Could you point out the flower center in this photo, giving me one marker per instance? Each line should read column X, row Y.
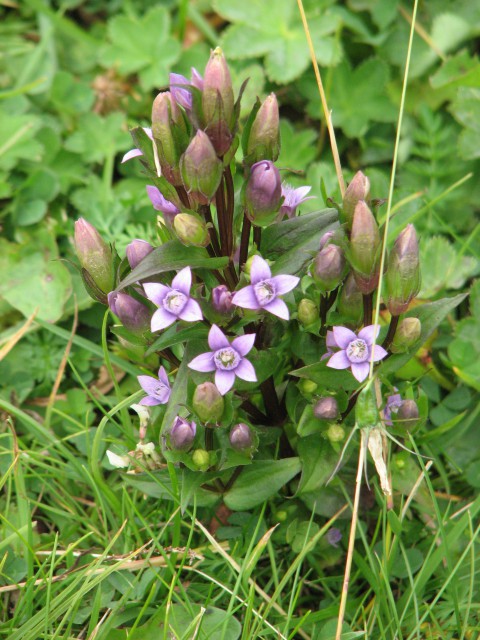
column 357, row 351
column 160, row 389
column 226, row 359
column 265, row 292
column 174, row 301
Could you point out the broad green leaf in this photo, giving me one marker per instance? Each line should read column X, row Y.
column 298, row 146
column 464, row 350
column 17, row 139
column 172, row 256
column 175, row 336
column 442, row 267
column 142, row 45
column 265, row 477
column 98, row 137
column 318, row 460
column 462, row 69
column 157, row 484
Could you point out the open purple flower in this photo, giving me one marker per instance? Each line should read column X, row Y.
column 157, row 389
column 356, row 351
column 181, row 95
column 264, row 291
column 331, row 345
column 227, row 360
column 134, row 153
column 160, row 203
column 292, row 198
column 394, row 402
column 334, row 536
column 173, row 302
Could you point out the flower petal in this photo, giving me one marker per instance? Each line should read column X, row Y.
column 343, row 336
column 330, row 340
column 259, row 270
column 162, row 319
column 284, row 284
column 243, row 344
column 156, row 292
column 379, row 353
column 246, row 298
column 148, row 384
column 133, row 153
column 339, row 360
column 360, row 370
column 370, row 333
column 204, row 362
column 216, row 338
column 191, row 311
column 245, row 371
column 150, row 401
column 183, row 281
column 224, row 380
column 148, row 131
column 162, row 376
column 278, row 308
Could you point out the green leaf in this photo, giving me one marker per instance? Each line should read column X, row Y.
column 298, row 146
column 318, row 460
column 466, row 110
column 464, row 350
column 266, row 477
column 142, row 45
column 17, row 139
column 157, row 484
column 442, row 267
column 461, row 69
column 98, row 137
column 174, row 336
column 172, row 256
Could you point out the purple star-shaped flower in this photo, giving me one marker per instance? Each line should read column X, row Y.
column 264, row 291
column 292, row 198
column 157, row 389
column 160, row 203
column 356, row 351
column 134, row 153
column 227, row 360
column 173, row 302
column 181, row 95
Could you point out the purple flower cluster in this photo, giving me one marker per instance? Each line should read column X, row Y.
column 157, row 389
column 173, row 302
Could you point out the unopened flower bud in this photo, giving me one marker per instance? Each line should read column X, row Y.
column 336, row 433
column 365, row 248
column 208, row 403
column 182, row 434
column 407, row 415
column 407, row 334
column 350, row 302
column 358, row 189
column 307, row 312
column 329, row 267
column 217, row 88
column 326, row 408
column 201, row 459
column 222, row 299
column 403, row 271
column 136, row 251
column 325, row 239
column 264, row 138
column 263, row 194
column 307, row 387
column 241, row 437
column 170, row 135
column 96, row 259
column 201, row 169
column 134, row 315
column 191, row 230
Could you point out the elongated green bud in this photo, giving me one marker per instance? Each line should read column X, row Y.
column 201, row 459
column 217, row 86
column 307, row 312
column 403, row 273
column 191, row 230
column 329, row 267
column 263, row 194
column 201, row 169
column 366, row 410
column 96, row 258
column 264, row 139
column 208, row 403
column 170, row 135
column 364, row 253
column 358, row 189
column 350, row 302
column 407, row 334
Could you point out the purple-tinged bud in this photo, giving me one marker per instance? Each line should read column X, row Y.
column 325, row 239
column 334, row 536
column 407, row 334
column 217, row 97
column 403, row 272
column 358, row 189
column 182, row 434
column 96, row 259
column 222, row 299
column 365, row 245
column 336, row 433
column 136, row 251
column 191, row 230
column 326, row 408
column 182, row 97
column 201, row 169
column 407, row 416
column 170, row 135
column 264, row 138
column 134, row 315
column 307, row 312
column 350, row 302
column 208, row 403
column 263, row 194
column 241, row 437
column 201, row 459
column 160, row 203
column 328, row 268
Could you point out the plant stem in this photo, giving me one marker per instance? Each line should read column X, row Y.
column 245, row 239
column 207, row 214
column 270, row 399
column 183, row 195
column 230, row 205
column 208, row 439
column 257, row 236
column 221, row 217
column 367, row 309
column 232, row 478
column 392, row 329
column 351, row 539
column 323, row 311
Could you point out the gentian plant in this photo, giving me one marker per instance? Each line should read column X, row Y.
column 258, row 318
